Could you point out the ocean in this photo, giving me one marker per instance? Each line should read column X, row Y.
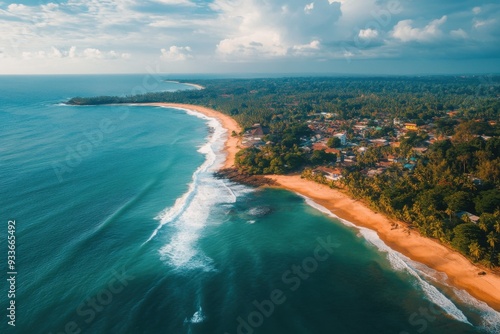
column 121, row 227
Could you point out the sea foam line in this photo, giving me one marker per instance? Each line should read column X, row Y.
column 170, row 214
column 399, row 262
column 192, row 211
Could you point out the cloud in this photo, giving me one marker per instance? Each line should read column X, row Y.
column 308, row 8
column 259, row 44
column 459, row 33
column 56, row 53
column 175, row 2
column 305, row 50
column 405, row 32
column 92, row 53
column 279, row 27
column 176, row 53
column 480, row 23
column 93, row 34
column 88, row 53
column 72, row 52
column 368, row 33
column 17, row 8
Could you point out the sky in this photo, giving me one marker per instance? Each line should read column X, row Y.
column 250, row 36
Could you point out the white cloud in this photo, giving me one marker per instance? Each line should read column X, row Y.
column 105, row 31
column 368, row 33
column 50, row 6
column 264, row 44
column 405, row 32
column 164, row 23
column 481, row 23
column 88, row 53
column 309, row 49
column 56, row 53
column 458, row 33
column 32, row 55
column 308, row 8
column 18, row 8
column 314, row 45
column 176, row 2
column 92, row 53
column 72, row 52
column 176, row 53
column 263, row 29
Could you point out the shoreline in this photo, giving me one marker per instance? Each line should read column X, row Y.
column 231, row 145
column 200, row 87
column 461, row 272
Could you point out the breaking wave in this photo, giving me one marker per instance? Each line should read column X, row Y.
column 489, row 319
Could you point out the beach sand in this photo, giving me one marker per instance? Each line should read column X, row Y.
column 187, row 84
column 195, row 85
column 460, row 271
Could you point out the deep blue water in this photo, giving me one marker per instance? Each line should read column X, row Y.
column 122, row 228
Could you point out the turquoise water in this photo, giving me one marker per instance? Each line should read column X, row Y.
column 122, row 228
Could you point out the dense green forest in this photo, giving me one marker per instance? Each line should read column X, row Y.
column 286, row 100
column 458, row 173
column 430, row 197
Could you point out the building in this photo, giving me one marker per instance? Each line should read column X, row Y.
column 464, row 215
column 342, row 137
column 411, row 126
column 332, row 174
column 258, row 131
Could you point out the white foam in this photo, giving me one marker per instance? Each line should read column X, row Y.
column 190, row 213
column 198, row 316
column 259, row 211
column 399, row 262
column 490, row 319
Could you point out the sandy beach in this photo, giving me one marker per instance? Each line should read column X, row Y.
column 187, row 84
column 460, row 271
column 232, row 143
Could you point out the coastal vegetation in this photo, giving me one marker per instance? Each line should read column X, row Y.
column 423, row 150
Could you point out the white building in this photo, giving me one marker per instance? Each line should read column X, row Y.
column 342, row 137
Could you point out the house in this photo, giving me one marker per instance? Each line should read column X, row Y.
column 419, row 150
column 464, row 215
column 258, row 131
column 410, row 167
column 333, row 174
column 379, row 142
column 373, row 172
column 411, row 126
column 393, row 158
column 342, row 137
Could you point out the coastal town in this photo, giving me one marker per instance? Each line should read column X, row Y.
column 350, row 140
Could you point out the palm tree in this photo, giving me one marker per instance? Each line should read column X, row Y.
column 464, row 158
column 483, row 225
column 492, row 239
column 497, row 226
column 475, row 250
column 449, row 212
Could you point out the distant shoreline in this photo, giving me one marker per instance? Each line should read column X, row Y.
column 460, row 271
column 200, row 87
